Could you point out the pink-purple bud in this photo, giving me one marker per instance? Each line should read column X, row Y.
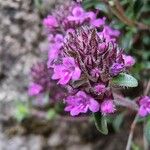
column 100, row 89
column 128, row 60
column 98, row 22
column 102, row 47
column 144, row 103
column 34, row 89
column 50, row 22
column 107, row 107
column 116, row 68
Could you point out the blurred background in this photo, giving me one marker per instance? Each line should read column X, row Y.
column 23, row 43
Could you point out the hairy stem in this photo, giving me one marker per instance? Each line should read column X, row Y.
column 119, row 100
column 129, row 142
column 146, row 145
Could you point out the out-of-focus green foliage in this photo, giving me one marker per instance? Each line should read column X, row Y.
column 51, row 114
column 147, row 130
column 135, row 147
column 21, row 111
column 118, row 120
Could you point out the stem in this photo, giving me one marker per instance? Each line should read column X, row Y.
column 130, row 137
column 119, row 100
column 146, row 145
column 147, row 88
column 128, row 147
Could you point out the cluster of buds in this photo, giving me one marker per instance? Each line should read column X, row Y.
column 42, row 84
column 87, row 64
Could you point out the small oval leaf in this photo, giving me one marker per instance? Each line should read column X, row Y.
column 100, row 123
column 124, row 80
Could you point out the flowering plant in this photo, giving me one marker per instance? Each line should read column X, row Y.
column 86, row 59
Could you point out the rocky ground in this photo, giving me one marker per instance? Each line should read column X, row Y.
column 21, row 42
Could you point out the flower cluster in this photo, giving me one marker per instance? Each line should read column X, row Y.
column 84, row 57
column 87, row 64
column 144, row 103
column 67, row 18
column 41, row 84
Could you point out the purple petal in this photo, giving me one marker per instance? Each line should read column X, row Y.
column 107, row 107
column 78, row 11
column 57, row 72
column 59, row 38
column 91, row 15
column 94, row 105
column 69, row 61
column 142, row 112
column 98, row 22
column 50, row 21
column 74, row 112
column 81, row 94
column 65, row 78
column 76, row 74
column 128, row 60
column 68, row 108
column 34, row 89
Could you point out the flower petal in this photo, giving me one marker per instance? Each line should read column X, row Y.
column 142, row 112
column 65, row 78
column 94, row 106
column 76, row 74
column 69, row 62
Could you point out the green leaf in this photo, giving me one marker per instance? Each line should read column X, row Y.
column 127, row 40
column 135, row 146
column 89, row 3
column 102, row 7
column 51, row 114
column 21, row 112
column 124, row 80
column 147, row 131
column 100, row 123
column 118, row 121
column 138, row 4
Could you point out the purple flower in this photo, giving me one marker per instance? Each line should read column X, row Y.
column 56, row 44
column 128, row 60
column 109, row 34
column 98, row 22
column 41, row 84
column 100, row 88
column 59, row 38
column 53, row 54
column 66, row 71
column 107, row 107
column 34, row 89
column 78, row 15
column 116, row 68
column 144, row 103
column 91, row 15
column 50, row 22
column 81, row 103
